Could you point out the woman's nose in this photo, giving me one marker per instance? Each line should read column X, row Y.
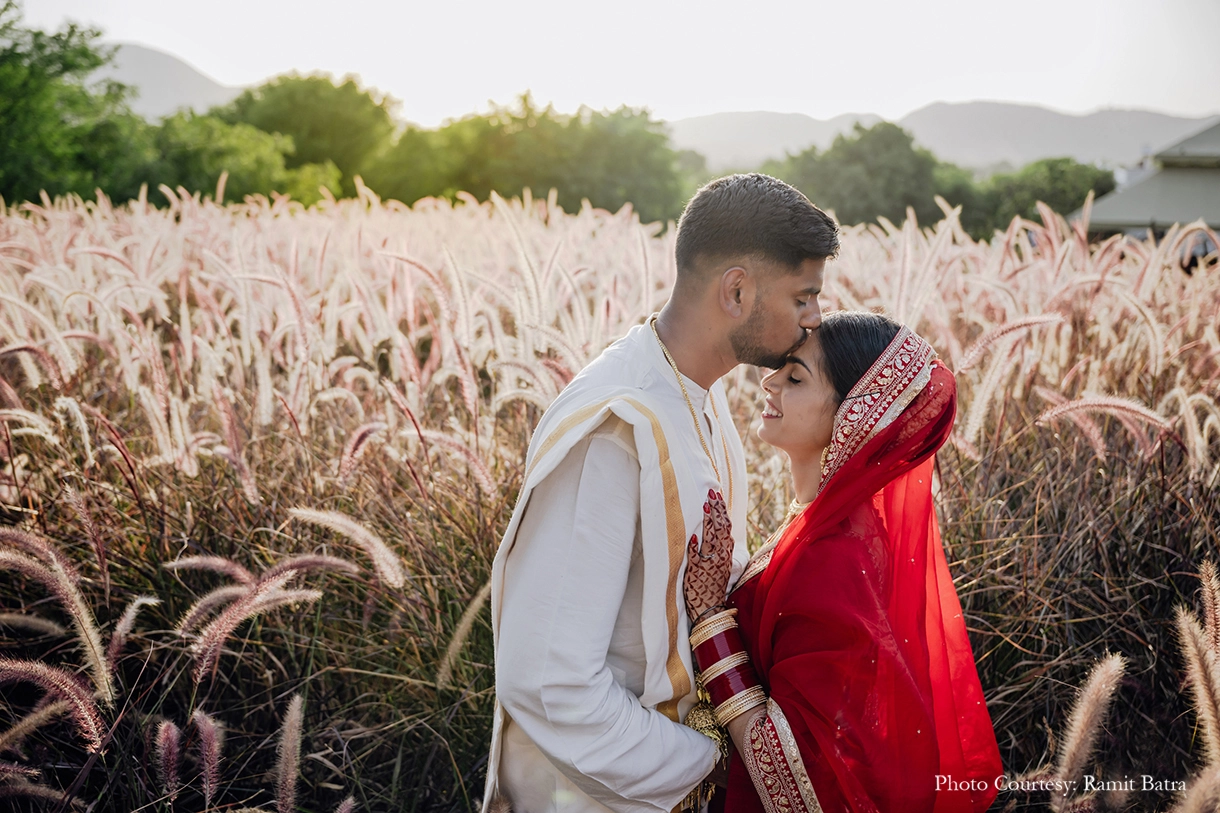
column 767, row 381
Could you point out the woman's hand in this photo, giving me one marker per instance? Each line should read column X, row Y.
column 707, row 566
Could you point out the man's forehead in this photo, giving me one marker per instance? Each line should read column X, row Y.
column 810, row 275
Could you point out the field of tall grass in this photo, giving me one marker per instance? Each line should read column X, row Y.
column 255, row 461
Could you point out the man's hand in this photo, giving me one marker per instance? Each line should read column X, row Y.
column 708, row 565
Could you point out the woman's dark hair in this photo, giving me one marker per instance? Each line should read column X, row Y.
column 851, row 341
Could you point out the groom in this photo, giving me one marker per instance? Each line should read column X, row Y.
column 593, row 668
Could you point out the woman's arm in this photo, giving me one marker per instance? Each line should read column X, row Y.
column 757, row 727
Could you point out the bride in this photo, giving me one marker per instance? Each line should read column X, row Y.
column 840, row 663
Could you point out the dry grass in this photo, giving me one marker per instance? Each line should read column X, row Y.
column 178, row 385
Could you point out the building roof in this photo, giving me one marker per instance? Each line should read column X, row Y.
column 1172, row 195
column 1200, row 149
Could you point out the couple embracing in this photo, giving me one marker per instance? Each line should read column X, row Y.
column 644, row 660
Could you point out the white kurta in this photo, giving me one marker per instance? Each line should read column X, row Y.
column 571, row 604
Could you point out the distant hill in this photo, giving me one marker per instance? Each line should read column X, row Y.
column 979, row 135
column 746, row 140
column 982, row 134
column 165, row 83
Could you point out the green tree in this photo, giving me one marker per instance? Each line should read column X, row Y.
column 1060, row 183
column 327, row 122
column 873, row 172
column 608, row 158
column 57, row 132
column 193, row 151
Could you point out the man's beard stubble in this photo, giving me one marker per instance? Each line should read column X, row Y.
column 746, row 348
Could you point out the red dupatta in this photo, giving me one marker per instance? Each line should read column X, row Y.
column 854, row 624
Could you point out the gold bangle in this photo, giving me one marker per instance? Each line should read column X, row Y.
column 715, row 625
column 739, row 704
column 723, row 665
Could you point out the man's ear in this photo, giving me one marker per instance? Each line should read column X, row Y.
column 736, row 291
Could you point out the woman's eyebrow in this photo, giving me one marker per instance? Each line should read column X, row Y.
column 803, row 364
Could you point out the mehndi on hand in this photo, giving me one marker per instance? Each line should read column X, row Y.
column 708, row 564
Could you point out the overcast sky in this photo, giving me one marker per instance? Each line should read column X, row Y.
column 447, row 58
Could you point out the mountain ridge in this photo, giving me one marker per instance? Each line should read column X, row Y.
column 981, row 135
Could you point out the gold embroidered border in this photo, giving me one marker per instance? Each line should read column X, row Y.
column 771, row 770
column 892, row 382
column 792, row 753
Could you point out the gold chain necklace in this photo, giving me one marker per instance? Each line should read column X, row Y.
column 652, row 323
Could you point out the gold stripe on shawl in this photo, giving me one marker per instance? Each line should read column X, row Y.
column 579, row 416
column 675, row 529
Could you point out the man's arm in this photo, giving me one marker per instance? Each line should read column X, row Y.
column 563, row 591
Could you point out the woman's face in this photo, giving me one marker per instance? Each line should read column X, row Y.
column 799, row 410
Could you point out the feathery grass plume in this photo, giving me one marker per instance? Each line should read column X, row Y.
column 19, row 788
column 12, row 738
column 500, row 804
column 348, row 805
column 77, row 502
column 59, row 585
column 1083, row 804
column 11, row 769
column 118, row 638
column 465, row 624
column 232, row 450
column 984, row 394
column 212, row 637
column 1087, row 426
column 289, row 756
column 1105, row 404
column 311, row 561
column 39, row 548
column 1202, row 795
column 61, row 684
column 217, row 564
column 211, row 741
column 31, row 623
column 1211, row 604
column 355, row 448
column 1008, row 330
column 286, row 598
column 69, row 406
column 388, row 566
column 1203, row 672
column 34, row 424
column 195, row 614
column 44, row 360
column 478, row 468
column 9, row 399
column 1088, row 714
column 169, row 758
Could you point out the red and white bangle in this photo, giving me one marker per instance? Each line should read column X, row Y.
column 728, row 675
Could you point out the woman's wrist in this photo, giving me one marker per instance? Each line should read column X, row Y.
column 728, row 675
column 708, row 613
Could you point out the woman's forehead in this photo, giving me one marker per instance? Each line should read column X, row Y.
column 810, row 352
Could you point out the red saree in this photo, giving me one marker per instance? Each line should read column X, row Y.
column 855, row 628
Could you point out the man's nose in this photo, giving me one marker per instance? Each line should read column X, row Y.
column 811, row 319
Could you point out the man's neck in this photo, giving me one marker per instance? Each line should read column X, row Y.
column 700, row 353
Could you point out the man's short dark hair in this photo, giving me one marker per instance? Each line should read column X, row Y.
column 752, row 215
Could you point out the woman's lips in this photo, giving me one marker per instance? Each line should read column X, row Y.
column 770, row 411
